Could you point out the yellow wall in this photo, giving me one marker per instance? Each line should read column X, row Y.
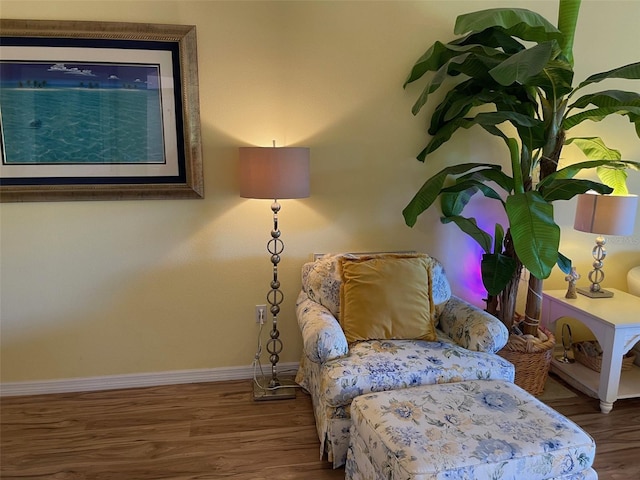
column 108, row 288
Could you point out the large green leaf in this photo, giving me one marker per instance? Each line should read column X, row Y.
column 630, row 72
column 570, row 171
column 435, row 82
column 555, row 79
column 608, row 102
column 474, row 93
column 607, row 98
column 470, row 227
column 498, row 177
column 443, row 135
column 475, row 185
column 485, row 119
column 493, row 130
column 532, row 137
column 469, row 63
column 615, row 178
column 594, row 148
column 455, row 198
column 522, row 66
column 530, row 130
column 566, row 189
column 456, row 104
column 598, row 114
column 517, row 22
column 475, row 63
column 430, row 190
column 534, row 232
column 496, row 118
column 614, row 174
column 496, row 270
column 453, row 203
column 439, row 54
column 491, row 37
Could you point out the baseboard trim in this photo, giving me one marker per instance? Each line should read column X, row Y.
column 135, row 380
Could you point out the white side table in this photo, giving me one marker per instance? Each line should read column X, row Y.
column 615, row 322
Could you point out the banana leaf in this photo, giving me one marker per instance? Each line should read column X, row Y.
column 594, row 148
column 535, row 234
column 497, row 270
column 522, row 66
column 430, row 190
column 629, row 72
column 566, row 189
column 470, row 227
column 517, row 22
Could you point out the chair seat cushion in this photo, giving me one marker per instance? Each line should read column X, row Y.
column 473, row 429
column 379, row 365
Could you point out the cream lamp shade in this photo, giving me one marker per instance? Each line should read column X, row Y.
column 606, row 214
column 274, row 172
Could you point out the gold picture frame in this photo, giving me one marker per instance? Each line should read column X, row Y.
column 99, row 111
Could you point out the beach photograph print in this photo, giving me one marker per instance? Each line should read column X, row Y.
column 85, row 112
column 75, row 113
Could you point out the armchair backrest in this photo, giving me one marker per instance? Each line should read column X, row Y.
column 321, row 281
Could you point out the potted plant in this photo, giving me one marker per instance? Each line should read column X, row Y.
column 511, row 73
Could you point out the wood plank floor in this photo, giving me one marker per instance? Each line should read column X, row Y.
column 215, row 430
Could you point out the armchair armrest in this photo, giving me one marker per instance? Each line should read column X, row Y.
column 471, row 327
column 322, row 336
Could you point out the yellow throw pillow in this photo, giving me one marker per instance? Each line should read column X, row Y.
column 387, row 297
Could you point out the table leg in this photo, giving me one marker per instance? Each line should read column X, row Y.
column 606, row 407
column 612, row 352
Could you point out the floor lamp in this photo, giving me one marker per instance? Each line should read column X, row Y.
column 274, row 173
column 603, row 215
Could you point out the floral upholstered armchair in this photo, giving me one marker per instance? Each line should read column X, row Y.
column 398, row 326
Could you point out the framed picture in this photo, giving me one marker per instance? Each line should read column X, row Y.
column 98, row 111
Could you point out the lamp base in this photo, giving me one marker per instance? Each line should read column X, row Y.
column 600, row 294
column 286, row 390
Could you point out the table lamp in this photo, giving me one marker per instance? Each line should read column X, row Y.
column 603, row 215
column 274, row 173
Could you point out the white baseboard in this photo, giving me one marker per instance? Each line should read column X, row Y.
column 136, row 380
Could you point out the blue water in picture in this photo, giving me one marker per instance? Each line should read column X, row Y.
column 74, row 122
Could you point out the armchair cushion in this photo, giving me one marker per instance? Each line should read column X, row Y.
column 378, row 365
column 386, row 297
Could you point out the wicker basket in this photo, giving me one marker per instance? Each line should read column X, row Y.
column 589, row 354
column 531, row 360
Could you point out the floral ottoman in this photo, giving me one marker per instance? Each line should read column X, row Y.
column 472, row 430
